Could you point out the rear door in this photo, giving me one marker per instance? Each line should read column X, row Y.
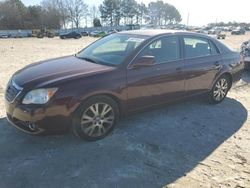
column 161, row 82
column 202, row 62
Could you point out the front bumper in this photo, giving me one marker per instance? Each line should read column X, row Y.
column 22, row 119
column 25, row 126
column 34, row 119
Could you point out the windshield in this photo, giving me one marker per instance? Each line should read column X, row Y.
column 112, row 49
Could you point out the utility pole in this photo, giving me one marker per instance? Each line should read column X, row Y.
column 188, row 19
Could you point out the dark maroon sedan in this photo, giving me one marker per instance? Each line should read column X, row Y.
column 116, row 75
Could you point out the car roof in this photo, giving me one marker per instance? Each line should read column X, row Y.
column 157, row 32
column 152, row 32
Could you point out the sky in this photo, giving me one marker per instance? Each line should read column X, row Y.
column 201, row 12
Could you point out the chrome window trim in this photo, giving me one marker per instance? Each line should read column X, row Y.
column 149, row 42
column 202, row 56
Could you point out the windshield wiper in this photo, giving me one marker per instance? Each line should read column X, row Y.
column 94, row 61
column 87, row 59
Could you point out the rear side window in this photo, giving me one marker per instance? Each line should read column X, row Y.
column 196, row 47
column 164, row 49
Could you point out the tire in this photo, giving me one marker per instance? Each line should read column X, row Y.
column 95, row 118
column 219, row 90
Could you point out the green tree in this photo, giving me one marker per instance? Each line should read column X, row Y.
column 141, row 11
column 13, row 14
column 117, row 12
column 129, row 10
column 174, row 15
column 170, row 14
column 156, row 11
column 110, row 11
column 97, row 22
column 160, row 12
column 35, row 17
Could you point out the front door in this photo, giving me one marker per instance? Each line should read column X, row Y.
column 158, row 83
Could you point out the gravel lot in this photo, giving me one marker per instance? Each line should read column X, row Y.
column 189, row 144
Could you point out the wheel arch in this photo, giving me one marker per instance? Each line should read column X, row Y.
column 227, row 74
column 111, row 96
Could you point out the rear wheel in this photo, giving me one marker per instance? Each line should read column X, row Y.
column 220, row 90
column 96, row 118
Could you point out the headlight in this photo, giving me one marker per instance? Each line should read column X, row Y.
column 39, row 96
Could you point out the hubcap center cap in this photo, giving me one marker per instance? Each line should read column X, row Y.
column 98, row 120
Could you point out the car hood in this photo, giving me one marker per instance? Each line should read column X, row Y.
column 55, row 70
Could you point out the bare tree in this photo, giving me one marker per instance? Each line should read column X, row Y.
column 77, row 11
column 94, row 12
column 60, row 7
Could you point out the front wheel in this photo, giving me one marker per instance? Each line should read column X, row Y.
column 219, row 90
column 96, row 118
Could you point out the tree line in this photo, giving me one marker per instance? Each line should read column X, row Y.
column 56, row 14
column 228, row 24
column 157, row 13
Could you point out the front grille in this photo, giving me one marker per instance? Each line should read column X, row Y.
column 12, row 91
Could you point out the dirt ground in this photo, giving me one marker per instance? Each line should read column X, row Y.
column 190, row 144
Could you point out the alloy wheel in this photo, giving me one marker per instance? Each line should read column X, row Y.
column 97, row 119
column 220, row 89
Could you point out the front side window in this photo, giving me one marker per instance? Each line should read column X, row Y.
column 164, row 49
column 214, row 49
column 112, row 50
column 196, row 47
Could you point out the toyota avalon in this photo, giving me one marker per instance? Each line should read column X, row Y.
column 116, row 75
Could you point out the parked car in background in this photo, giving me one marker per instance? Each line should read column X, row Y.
column 221, row 35
column 72, row 34
column 133, row 26
column 84, row 33
column 202, row 31
column 111, row 31
column 4, row 36
column 238, row 31
column 19, row 35
column 97, row 34
column 41, row 33
column 245, row 51
column 212, row 32
column 117, row 75
column 247, row 28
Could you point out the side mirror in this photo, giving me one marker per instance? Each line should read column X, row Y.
column 144, row 61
